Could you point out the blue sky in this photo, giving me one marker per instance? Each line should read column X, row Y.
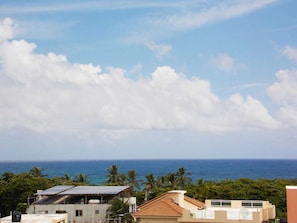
column 197, row 79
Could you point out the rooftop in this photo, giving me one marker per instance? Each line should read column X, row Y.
column 83, row 190
column 37, row 218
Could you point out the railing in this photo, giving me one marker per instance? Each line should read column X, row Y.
column 203, row 214
column 231, row 214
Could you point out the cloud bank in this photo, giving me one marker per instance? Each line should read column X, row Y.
column 47, row 93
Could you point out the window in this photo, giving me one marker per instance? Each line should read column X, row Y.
column 78, row 213
column 226, row 203
column 97, row 212
column 246, row 204
column 215, row 203
column 257, row 204
column 252, row 204
column 221, row 203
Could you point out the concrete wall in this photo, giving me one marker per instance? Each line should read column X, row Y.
column 92, row 213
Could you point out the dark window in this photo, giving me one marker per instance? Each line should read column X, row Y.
column 257, row 204
column 226, row 203
column 215, row 203
column 78, row 213
column 246, row 204
column 97, row 212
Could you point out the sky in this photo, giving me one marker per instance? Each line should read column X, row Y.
column 191, row 79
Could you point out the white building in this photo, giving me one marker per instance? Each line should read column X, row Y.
column 38, row 218
column 81, row 203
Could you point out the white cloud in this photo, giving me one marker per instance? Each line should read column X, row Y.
column 284, row 92
column 193, row 17
column 6, row 29
column 224, row 63
column 93, row 5
column 290, row 52
column 47, row 93
column 136, row 68
column 250, row 112
column 159, row 50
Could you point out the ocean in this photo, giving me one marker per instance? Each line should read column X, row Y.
column 205, row 169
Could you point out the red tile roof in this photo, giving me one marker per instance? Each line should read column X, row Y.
column 199, row 204
column 164, row 206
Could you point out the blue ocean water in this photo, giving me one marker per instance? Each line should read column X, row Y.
column 205, row 169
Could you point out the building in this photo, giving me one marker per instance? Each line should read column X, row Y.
column 291, row 194
column 37, row 218
column 81, row 203
column 176, row 207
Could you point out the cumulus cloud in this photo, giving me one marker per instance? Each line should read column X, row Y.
column 284, row 92
column 6, row 29
column 45, row 92
column 290, row 52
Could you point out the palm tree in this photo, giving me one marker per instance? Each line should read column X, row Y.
column 37, row 172
column 82, row 178
column 123, row 179
column 171, row 180
column 113, row 175
column 183, row 177
column 162, row 181
column 119, row 210
column 150, row 183
column 67, row 176
column 132, row 181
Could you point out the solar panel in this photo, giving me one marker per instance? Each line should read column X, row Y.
column 87, row 190
column 54, row 190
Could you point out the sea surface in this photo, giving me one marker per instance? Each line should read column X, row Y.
column 205, row 169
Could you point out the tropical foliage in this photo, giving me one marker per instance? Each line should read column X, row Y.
column 119, row 210
column 16, row 189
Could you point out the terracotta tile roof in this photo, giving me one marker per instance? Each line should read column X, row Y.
column 199, row 204
column 165, row 207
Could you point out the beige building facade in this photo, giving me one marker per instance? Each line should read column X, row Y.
column 176, row 207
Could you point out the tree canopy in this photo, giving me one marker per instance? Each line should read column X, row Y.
column 15, row 189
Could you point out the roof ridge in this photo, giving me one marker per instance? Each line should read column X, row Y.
column 169, row 202
column 197, row 203
column 163, row 207
column 149, row 202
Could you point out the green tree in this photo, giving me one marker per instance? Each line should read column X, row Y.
column 67, row 176
column 132, row 180
column 113, row 175
column 183, row 177
column 14, row 193
column 149, row 184
column 37, row 172
column 119, row 210
column 82, row 178
column 123, row 179
column 171, row 180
